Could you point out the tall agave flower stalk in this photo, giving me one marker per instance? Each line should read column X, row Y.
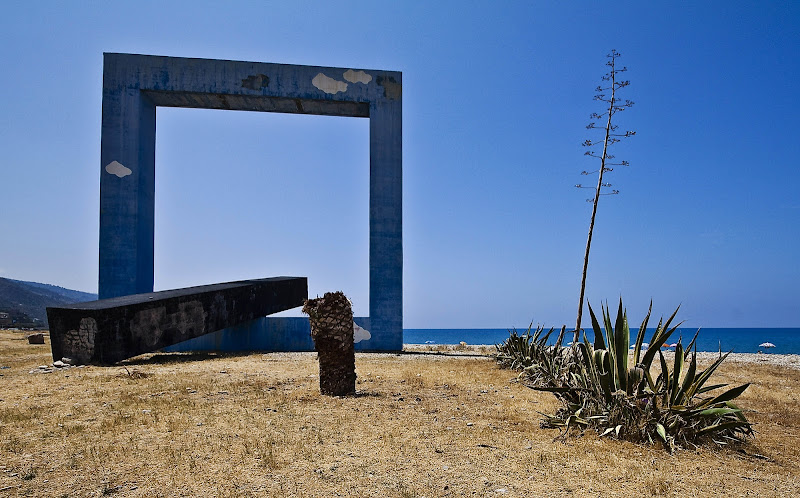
column 614, row 105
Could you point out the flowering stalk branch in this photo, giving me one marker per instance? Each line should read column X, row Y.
column 614, row 106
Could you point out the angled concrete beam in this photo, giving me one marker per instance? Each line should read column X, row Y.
column 111, row 330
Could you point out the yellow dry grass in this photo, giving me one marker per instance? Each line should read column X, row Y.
column 421, row 425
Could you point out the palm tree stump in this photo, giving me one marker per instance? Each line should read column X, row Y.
column 331, row 319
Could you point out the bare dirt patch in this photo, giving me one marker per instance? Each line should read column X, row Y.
column 422, row 424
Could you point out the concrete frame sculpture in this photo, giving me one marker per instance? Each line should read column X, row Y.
column 135, row 85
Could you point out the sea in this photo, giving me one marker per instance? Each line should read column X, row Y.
column 738, row 340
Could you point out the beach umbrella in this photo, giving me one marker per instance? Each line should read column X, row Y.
column 766, row 345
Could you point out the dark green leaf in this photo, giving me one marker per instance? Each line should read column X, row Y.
column 726, row 396
column 598, row 332
column 637, row 349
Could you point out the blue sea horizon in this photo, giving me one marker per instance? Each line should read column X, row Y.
column 740, row 340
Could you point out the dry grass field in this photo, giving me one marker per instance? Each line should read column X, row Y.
column 421, row 425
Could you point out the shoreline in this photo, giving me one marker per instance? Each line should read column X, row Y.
column 774, row 359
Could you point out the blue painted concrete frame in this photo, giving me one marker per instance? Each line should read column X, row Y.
column 135, row 85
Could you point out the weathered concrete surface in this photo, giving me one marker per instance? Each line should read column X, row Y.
column 134, row 85
column 110, row 330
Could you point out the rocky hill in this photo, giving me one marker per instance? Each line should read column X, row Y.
column 20, row 299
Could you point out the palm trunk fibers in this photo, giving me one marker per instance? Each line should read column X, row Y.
column 331, row 319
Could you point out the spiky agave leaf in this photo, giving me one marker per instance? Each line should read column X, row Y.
column 622, row 339
column 660, row 336
column 728, row 395
column 719, row 412
column 710, row 388
column 611, row 346
column 598, row 332
column 721, row 427
column 703, row 377
column 688, row 380
column 635, row 376
column 676, row 373
column 560, row 339
column 640, row 335
column 692, row 342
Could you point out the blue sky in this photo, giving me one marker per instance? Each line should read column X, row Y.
column 496, row 97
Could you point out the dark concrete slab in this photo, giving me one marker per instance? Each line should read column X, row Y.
column 111, row 330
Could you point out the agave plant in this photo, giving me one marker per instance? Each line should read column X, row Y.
column 518, row 351
column 612, row 389
column 541, row 364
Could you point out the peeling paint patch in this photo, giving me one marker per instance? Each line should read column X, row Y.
column 191, row 318
column 328, row 85
column 360, row 334
column 118, row 169
column 146, row 323
column 392, row 90
column 357, row 76
column 256, row 82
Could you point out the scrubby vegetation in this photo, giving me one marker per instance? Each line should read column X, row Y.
column 624, row 392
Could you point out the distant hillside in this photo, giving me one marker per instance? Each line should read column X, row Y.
column 73, row 295
column 31, row 298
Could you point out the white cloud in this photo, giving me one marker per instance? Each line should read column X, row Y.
column 118, row 169
column 357, row 76
column 360, row 334
column 328, row 85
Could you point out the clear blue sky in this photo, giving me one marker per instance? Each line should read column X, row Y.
column 496, row 97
